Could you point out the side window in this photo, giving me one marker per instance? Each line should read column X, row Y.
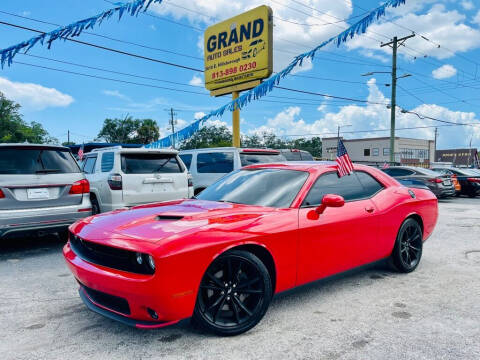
column 215, row 162
column 187, row 160
column 353, row 187
column 107, row 161
column 89, row 165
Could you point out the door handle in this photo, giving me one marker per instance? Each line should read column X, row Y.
column 370, row 209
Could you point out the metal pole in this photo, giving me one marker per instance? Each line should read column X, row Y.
column 235, row 122
column 172, row 122
column 68, row 136
column 393, row 102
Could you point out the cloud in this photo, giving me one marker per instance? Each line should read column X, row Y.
column 467, row 5
column 442, row 26
column 117, row 94
column 444, row 72
column 290, row 38
column 199, row 115
column 289, row 121
column 476, row 19
column 196, row 81
column 34, row 96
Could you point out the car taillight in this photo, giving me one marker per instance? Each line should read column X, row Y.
column 80, row 187
column 474, row 180
column 435, row 180
column 115, row 181
column 2, row 195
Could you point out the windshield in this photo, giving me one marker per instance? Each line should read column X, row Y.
column 252, row 158
column 263, row 187
column 28, row 161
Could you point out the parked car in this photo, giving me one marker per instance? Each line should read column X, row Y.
column 296, row 155
column 440, row 185
column 256, row 232
column 469, row 180
column 122, row 177
column 210, row 164
column 42, row 189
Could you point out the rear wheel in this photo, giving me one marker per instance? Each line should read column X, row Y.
column 234, row 294
column 408, row 246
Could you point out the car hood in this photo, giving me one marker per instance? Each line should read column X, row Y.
column 157, row 222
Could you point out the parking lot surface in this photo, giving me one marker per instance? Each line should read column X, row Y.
column 372, row 313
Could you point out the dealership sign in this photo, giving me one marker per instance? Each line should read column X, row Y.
column 239, row 50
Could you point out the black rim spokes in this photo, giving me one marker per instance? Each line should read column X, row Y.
column 411, row 244
column 231, row 291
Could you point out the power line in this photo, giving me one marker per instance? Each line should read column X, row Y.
column 109, row 49
column 106, row 37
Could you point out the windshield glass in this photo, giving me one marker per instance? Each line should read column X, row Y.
column 252, row 158
column 35, row 160
column 263, row 187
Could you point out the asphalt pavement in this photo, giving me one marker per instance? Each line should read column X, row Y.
column 372, row 313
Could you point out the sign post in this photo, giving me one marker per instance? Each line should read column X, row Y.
column 238, row 55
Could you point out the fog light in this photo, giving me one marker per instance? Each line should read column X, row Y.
column 139, row 259
column 151, row 262
column 153, row 314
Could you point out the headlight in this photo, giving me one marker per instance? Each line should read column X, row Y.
column 151, row 262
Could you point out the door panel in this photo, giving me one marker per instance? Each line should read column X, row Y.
column 338, row 240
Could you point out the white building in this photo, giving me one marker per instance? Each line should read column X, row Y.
column 377, row 150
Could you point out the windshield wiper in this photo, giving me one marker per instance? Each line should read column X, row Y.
column 44, row 171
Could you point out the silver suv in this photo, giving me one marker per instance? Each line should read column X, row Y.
column 42, row 189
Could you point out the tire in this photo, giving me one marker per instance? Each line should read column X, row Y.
column 234, row 294
column 95, row 205
column 407, row 252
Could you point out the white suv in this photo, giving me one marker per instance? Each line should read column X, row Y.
column 210, row 164
column 122, row 178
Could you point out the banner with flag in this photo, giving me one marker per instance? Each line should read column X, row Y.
column 80, row 153
column 345, row 165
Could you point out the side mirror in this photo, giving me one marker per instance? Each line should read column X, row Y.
column 330, row 200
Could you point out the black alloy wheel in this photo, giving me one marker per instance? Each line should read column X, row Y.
column 234, row 294
column 408, row 247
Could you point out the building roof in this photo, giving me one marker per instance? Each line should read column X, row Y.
column 375, row 138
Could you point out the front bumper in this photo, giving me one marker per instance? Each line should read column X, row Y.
column 143, row 293
column 44, row 219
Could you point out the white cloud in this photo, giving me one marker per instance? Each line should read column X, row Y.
column 444, row 72
column 117, row 94
column 442, row 26
column 196, row 81
column 467, row 5
column 199, row 115
column 34, row 96
column 476, row 19
column 290, row 39
column 375, row 116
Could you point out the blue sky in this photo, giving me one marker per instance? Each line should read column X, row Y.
column 444, row 84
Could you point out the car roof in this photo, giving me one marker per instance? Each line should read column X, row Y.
column 246, row 150
column 295, row 165
column 50, row 146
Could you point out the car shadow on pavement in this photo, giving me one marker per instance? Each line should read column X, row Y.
column 23, row 247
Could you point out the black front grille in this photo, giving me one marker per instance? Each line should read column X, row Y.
column 108, row 256
column 111, row 302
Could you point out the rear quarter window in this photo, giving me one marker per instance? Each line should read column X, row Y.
column 150, row 163
column 187, row 159
column 252, row 158
column 215, row 162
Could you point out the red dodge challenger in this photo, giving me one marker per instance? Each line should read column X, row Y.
column 258, row 231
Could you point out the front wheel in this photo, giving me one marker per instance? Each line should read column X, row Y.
column 408, row 246
column 234, row 294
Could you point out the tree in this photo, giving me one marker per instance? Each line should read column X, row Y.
column 209, row 136
column 129, row 131
column 14, row 129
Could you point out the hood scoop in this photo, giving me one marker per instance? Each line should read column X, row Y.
column 169, row 217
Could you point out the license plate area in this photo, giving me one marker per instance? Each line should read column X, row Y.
column 38, row 193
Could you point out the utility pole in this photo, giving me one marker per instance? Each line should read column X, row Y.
column 435, row 144
column 394, row 45
column 172, row 122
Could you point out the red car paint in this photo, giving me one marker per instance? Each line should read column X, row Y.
column 305, row 246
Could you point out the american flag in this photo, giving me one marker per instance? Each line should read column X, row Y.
column 385, row 165
column 345, row 166
column 80, row 153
